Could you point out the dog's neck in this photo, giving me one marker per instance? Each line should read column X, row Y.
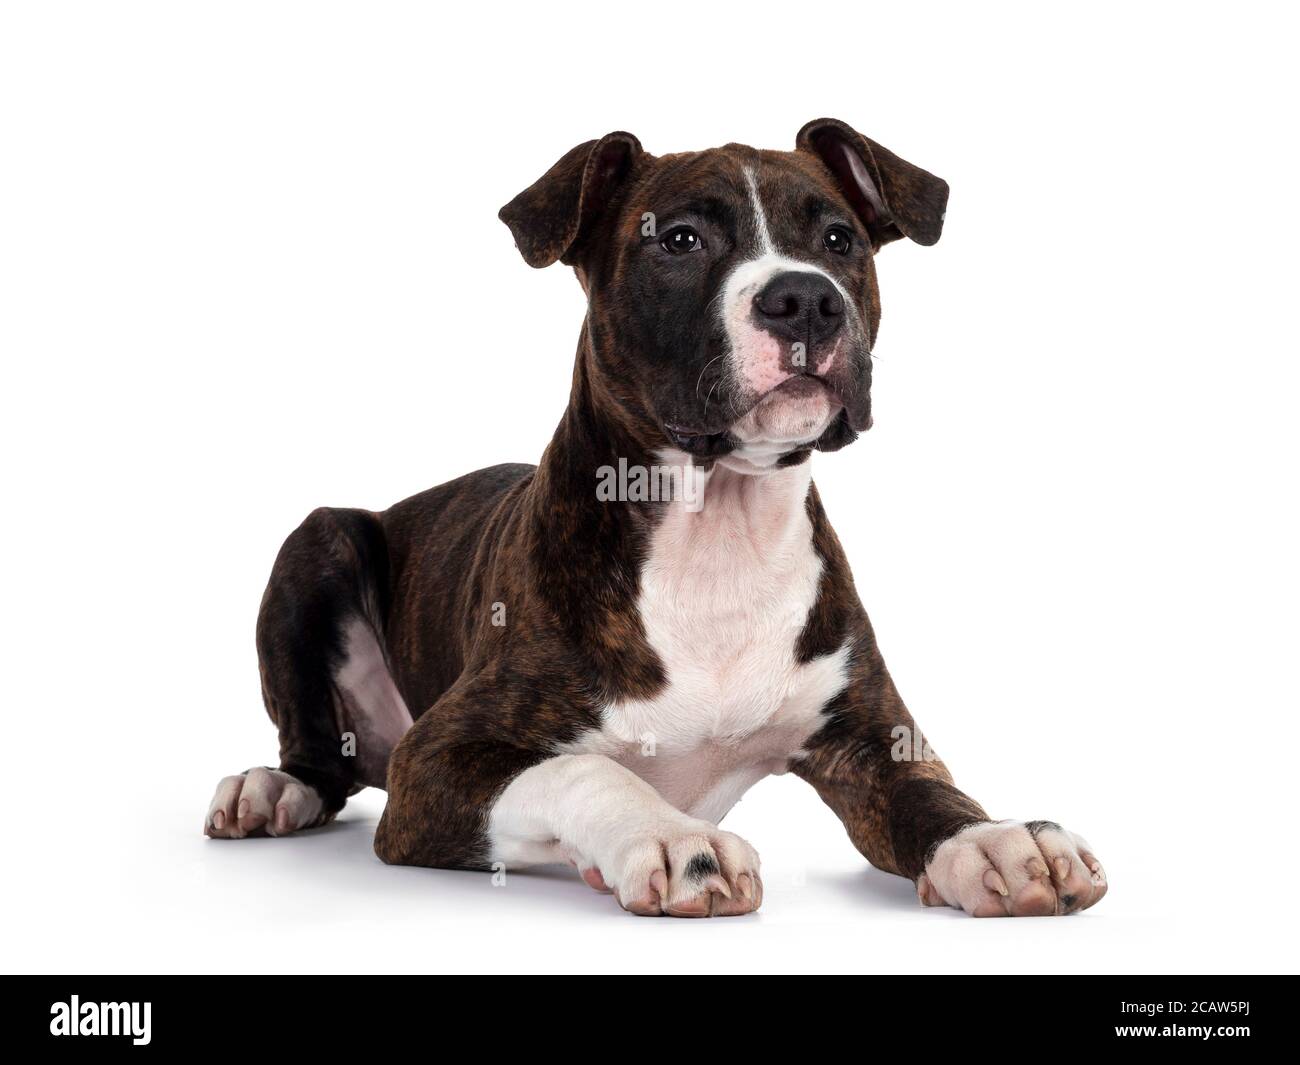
column 605, row 430
column 570, row 521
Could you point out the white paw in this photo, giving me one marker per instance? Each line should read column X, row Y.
column 1013, row 869
column 689, row 870
column 262, row 802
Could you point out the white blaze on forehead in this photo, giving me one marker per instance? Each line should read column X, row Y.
column 765, row 245
column 756, row 355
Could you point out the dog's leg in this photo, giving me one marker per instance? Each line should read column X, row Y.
column 325, row 680
column 460, row 802
column 898, row 802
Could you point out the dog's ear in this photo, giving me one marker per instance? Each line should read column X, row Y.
column 551, row 217
column 891, row 196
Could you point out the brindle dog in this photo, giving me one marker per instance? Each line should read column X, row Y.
column 595, row 678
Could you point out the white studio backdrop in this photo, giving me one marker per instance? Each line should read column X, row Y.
column 250, row 264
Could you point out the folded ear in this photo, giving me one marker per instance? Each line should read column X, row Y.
column 892, row 197
column 551, row 218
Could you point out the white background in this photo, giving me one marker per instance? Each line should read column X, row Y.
column 238, row 246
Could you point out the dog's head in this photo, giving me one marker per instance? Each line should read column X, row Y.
column 732, row 293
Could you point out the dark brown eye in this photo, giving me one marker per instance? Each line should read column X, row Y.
column 838, row 239
column 681, row 241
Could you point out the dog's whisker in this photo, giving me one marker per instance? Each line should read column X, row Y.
column 708, row 397
column 700, row 379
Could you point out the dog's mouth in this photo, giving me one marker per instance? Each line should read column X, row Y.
column 799, row 386
column 700, row 444
column 805, row 401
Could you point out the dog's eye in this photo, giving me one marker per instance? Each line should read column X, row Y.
column 838, row 239
column 681, row 240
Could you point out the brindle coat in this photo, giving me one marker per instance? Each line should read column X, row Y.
column 491, row 700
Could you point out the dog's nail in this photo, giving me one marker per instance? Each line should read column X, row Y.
column 1037, row 868
column 1062, row 867
column 994, row 882
column 659, row 883
column 219, row 820
column 281, row 819
column 242, row 812
column 718, row 885
column 746, row 887
column 927, row 893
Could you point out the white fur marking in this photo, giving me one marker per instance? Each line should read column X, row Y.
column 755, row 355
column 725, row 593
column 760, row 218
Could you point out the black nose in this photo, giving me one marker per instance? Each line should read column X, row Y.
column 800, row 305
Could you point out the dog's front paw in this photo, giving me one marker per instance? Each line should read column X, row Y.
column 687, row 870
column 1013, row 869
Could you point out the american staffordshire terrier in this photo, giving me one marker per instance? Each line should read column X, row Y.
column 559, row 662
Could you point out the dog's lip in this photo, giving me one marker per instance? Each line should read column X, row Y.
column 800, row 384
column 699, row 440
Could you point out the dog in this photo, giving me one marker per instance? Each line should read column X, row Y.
column 562, row 663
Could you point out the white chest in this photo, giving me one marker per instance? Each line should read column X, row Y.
column 725, row 593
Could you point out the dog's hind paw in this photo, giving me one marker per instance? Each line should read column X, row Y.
column 263, row 802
